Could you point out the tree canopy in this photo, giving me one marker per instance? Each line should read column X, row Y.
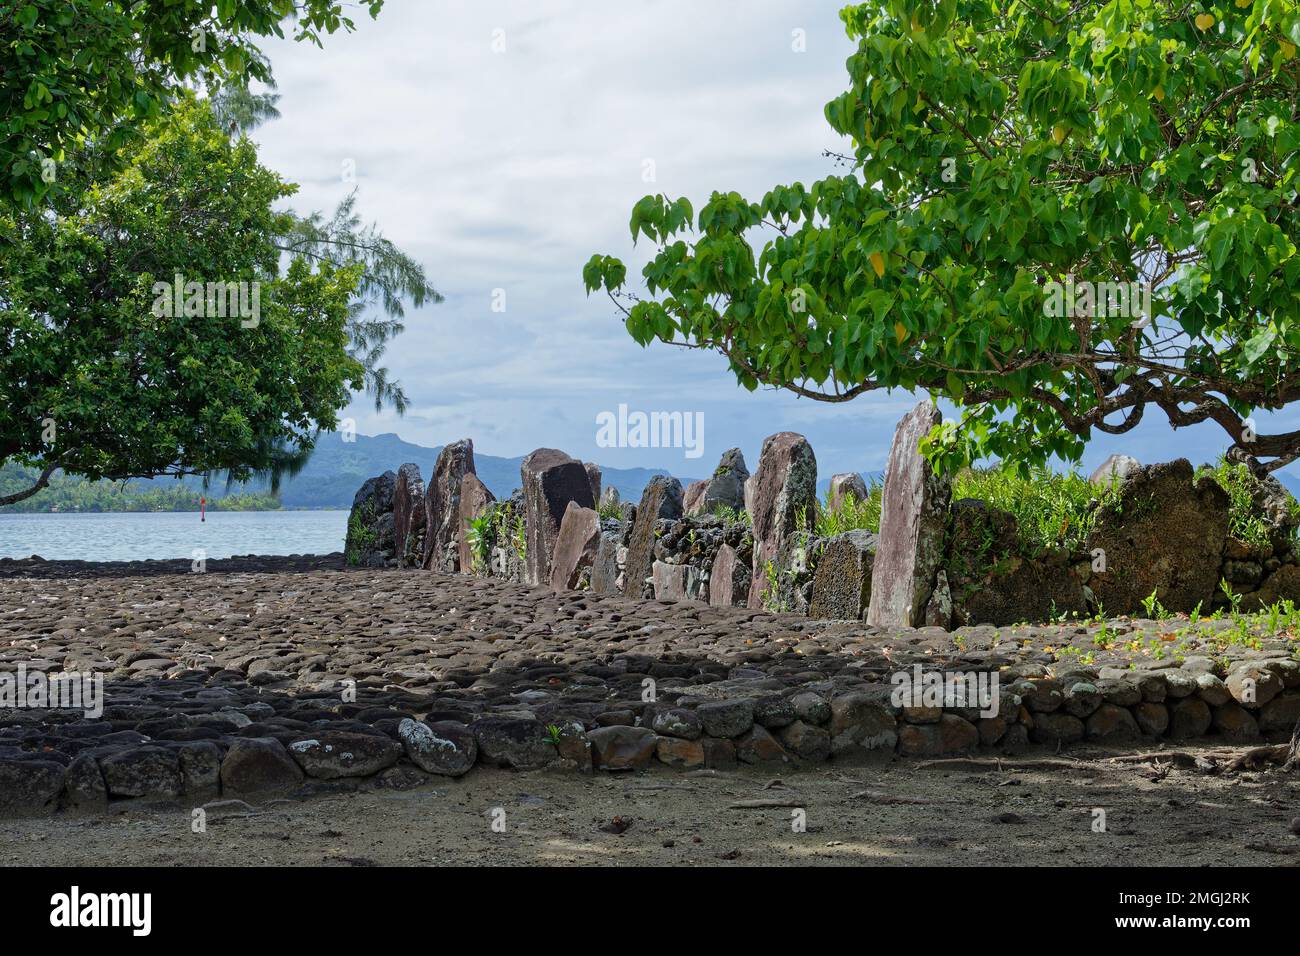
column 76, row 79
column 1005, row 156
column 116, row 358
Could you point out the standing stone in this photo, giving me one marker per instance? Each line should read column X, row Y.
column 938, row 610
column 749, row 495
column 662, row 498
column 474, row 500
column 693, row 500
column 1115, row 466
column 609, row 498
column 408, row 515
column 593, row 477
column 729, row 579
column 604, row 566
column 550, row 479
column 913, row 515
column 442, row 504
column 1165, row 534
column 575, row 546
column 784, row 492
column 841, row 584
column 848, row 485
column 369, row 540
column 727, row 486
column 677, row 582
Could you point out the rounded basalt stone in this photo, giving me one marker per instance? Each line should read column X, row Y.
column 1082, row 698
column 1189, row 717
column 85, row 785
column 806, row 741
column 719, row 754
column 811, row 708
column 726, row 718
column 1015, row 740
column 680, row 753
column 1121, row 692
column 758, row 746
column 200, row 764
column 142, row 772
column 1111, row 722
column 950, row 734
column 1234, row 722
column 1252, row 685
column 1153, row 687
column 518, row 743
column 1056, row 728
column 1179, row 685
column 29, row 786
column 678, row 722
column 992, row 729
column 1152, row 718
column 774, row 712
column 335, row 754
column 1281, row 713
column 1045, row 697
column 445, row 747
column 1212, row 690
column 256, row 765
column 622, row 748
column 862, row 721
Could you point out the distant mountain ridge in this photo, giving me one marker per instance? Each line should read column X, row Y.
column 337, row 469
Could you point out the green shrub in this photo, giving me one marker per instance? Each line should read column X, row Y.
column 1051, row 509
column 1244, row 521
column 850, row 514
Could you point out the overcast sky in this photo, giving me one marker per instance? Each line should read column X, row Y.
column 506, row 169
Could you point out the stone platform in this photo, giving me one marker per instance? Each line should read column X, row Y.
column 269, row 676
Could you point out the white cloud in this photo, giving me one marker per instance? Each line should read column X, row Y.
column 508, row 170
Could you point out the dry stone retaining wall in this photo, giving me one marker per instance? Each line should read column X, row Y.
column 934, row 562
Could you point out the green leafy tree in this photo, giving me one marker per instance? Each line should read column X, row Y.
column 77, row 79
column 390, row 276
column 101, row 376
column 1001, row 153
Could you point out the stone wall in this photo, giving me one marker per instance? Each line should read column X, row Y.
column 934, row 562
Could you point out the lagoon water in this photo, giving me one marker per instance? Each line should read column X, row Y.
column 170, row 534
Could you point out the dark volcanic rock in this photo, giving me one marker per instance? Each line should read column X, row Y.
column 29, row 786
column 913, row 518
column 1165, row 535
column 474, row 500
column 333, row 754
column 444, row 747
column 509, row 742
column 442, row 505
column 575, row 546
column 841, row 584
column 847, row 486
column 784, row 492
column 622, row 748
column 727, row 486
column 662, row 498
column 992, row 580
column 729, row 579
column 142, row 772
column 408, row 515
column 370, row 523
column 550, row 480
column 255, row 765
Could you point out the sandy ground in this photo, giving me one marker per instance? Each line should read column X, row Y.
column 959, row 813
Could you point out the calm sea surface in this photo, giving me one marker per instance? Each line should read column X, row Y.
column 170, row 534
